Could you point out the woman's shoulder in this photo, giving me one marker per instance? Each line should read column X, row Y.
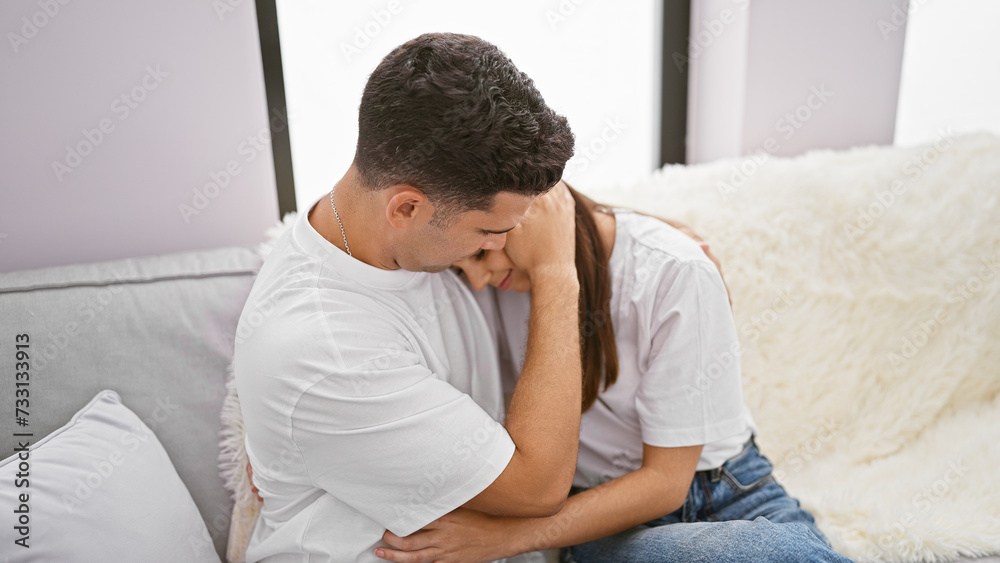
column 662, row 269
column 647, row 240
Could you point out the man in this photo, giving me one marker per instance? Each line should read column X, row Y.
column 370, row 390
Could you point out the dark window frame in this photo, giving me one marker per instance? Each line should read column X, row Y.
column 675, row 36
column 277, row 115
column 676, row 28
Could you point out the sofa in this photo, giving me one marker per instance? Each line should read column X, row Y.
column 158, row 331
column 158, row 334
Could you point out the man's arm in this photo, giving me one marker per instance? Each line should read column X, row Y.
column 543, row 419
column 656, row 489
column 544, row 415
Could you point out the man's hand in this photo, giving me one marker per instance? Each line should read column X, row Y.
column 463, row 535
column 545, row 239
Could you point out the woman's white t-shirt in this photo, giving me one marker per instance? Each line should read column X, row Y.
column 678, row 355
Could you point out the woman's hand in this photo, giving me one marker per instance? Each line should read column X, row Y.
column 704, row 248
column 463, row 535
column 545, row 239
column 253, row 488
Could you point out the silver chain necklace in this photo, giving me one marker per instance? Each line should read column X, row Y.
column 339, row 222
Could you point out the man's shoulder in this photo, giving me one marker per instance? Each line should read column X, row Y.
column 291, row 275
column 297, row 306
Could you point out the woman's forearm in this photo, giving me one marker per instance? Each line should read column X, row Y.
column 658, row 488
column 615, row 506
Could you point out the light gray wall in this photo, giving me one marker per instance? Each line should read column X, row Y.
column 717, row 78
column 177, row 87
column 788, row 76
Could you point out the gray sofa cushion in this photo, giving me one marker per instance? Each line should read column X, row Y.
column 158, row 330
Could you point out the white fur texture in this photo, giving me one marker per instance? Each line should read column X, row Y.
column 875, row 383
column 871, row 345
column 232, row 450
column 232, row 468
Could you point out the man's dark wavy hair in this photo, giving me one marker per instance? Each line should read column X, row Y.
column 452, row 116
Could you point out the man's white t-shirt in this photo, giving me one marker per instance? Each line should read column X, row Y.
column 370, row 400
column 678, row 355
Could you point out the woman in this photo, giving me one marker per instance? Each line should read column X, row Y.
column 667, row 468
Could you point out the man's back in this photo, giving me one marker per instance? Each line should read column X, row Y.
column 369, row 398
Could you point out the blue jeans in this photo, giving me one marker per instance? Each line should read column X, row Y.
column 737, row 512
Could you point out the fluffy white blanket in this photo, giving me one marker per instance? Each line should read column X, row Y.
column 866, row 289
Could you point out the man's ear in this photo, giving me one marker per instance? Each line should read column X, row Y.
column 408, row 206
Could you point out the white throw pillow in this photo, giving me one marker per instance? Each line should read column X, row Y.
column 101, row 488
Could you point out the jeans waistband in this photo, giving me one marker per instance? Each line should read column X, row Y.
column 715, row 474
column 712, row 474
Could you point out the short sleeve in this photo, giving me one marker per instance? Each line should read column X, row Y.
column 396, row 443
column 691, row 392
